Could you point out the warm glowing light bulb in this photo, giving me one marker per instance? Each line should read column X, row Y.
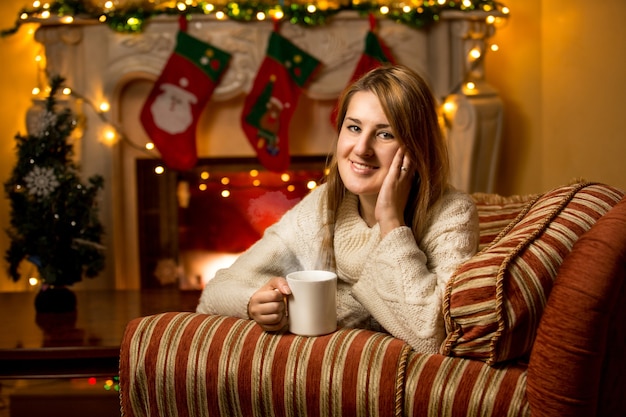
column 205, row 175
column 467, row 3
column 67, row 91
column 159, row 169
column 494, row 47
column 490, row 19
column 311, row 185
column 208, row 8
column 449, row 107
column 32, row 281
column 108, row 4
column 38, row 58
column 278, row 14
column 470, row 85
column 220, row 15
column 225, row 193
column 109, row 136
column 505, row 10
column 36, row 91
column 225, row 180
column 45, row 14
column 104, row 107
column 24, row 16
column 256, row 183
column 291, row 188
column 384, row 10
column 285, row 177
column 36, row 4
column 311, row 8
column 406, row 9
column 254, row 173
column 67, row 19
column 260, row 16
column 181, row 6
column 475, row 53
column 202, row 187
column 149, row 146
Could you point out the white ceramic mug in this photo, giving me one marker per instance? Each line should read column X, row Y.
column 312, row 305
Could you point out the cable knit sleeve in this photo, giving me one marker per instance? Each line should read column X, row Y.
column 402, row 283
column 286, row 246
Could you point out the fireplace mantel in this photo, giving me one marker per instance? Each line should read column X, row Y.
column 100, row 64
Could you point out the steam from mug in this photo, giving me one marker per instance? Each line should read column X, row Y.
column 312, row 305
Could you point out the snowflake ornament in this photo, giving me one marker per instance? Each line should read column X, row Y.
column 46, row 120
column 41, row 182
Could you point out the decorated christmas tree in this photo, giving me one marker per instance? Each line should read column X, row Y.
column 54, row 215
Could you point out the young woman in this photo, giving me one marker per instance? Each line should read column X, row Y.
column 386, row 221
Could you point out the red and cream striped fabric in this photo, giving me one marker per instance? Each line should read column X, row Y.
column 495, row 212
column 441, row 386
column 494, row 301
column 188, row 364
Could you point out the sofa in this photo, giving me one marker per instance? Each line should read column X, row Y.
column 535, row 321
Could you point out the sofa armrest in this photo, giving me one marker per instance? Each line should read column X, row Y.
column 577, row 364
column 196, row 364
column 444, row 386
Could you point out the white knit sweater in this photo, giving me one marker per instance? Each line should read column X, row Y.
column 394, row 281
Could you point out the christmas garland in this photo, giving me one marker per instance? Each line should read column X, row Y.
column 134, row 17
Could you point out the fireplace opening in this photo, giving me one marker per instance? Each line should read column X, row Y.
column 193, row 223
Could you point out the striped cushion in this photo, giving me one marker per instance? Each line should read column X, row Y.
column 496, row 212
column 493, row 302
column 439, row 386
column 199, row 365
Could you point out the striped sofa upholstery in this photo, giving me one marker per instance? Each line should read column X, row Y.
column 247, row 372
column 494, row 301
column 189, row 364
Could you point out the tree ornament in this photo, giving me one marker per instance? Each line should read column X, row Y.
column 41, row 182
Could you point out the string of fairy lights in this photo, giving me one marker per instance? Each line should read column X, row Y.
column 131, row 16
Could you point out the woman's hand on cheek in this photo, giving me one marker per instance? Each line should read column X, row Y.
column 267, row 306
column 394, row 193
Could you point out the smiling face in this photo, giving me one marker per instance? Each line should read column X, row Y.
column 366, row 146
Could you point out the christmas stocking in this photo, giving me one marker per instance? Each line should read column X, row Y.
column 376, row 53
column 171, row 111
column 270, row 105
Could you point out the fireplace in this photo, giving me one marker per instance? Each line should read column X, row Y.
column 119, row 69
column 193, row 223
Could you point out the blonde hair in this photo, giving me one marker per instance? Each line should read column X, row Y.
column 411, row 110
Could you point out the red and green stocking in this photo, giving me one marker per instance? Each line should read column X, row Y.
column 171, row 111
column 376, row 53
column 269, row 107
